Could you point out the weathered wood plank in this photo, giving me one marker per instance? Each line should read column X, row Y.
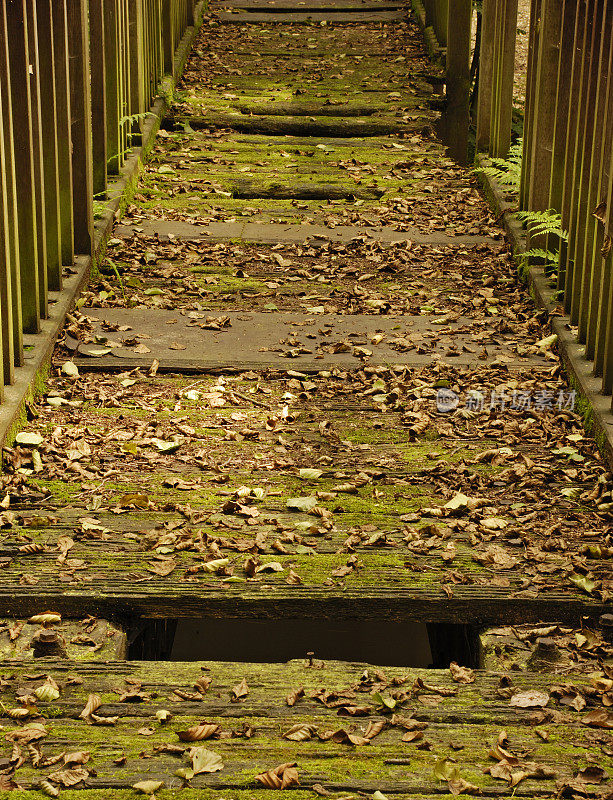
column 380, row 541
column 454, row 724
column 546, row 648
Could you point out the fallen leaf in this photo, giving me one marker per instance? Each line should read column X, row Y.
column 239, row 692
column 204, row 760
column 148, row 787
column 300, row 732
column 282, row 777
column 461, row 674
column 206, row 730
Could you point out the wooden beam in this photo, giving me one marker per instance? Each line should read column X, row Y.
column 24, row 163
column 97, row 40
column 11, row 280
column 458, row 78
column 486, row 74
column 49, row 131
column 64, row 129
column 80, row 103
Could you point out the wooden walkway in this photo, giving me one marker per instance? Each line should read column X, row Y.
column 307, row 385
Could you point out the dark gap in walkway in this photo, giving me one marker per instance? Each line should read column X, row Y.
column 304, row 192
column 408, row 644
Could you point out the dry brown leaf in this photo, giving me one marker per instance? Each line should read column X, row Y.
column 300, row 732
column 282, row 777
column 293, row 697
column 461, row 674
column 69, row 777
column 239, row 692
column 206, row 730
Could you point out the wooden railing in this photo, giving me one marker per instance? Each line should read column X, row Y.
column 77, row 78
column 567, row 152
column 567, row 162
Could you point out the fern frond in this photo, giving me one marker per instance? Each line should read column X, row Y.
column 506, row 171
column 543, row 222
column 546, row 255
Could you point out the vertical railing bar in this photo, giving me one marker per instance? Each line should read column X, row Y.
column 574, row 230
column 64, row 125
column 457, row 73
column 24, row 163
column 97, row 57
column 37, row 157
column 12, row 280
column 80, row 102
column 6, row 299
column 529, row 109
column 592, row 279
column 49, row 133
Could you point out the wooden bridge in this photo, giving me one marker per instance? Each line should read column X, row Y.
column 306, row 418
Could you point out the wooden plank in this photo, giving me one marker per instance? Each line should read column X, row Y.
column 544, row 648
column 457, row 71
column 49, row 128
column 64, row 129
column 80, row 103
column 97, row 43
column 10, row 280
column 486, row 74
column 457, row 724
column 392, row 526
column 24, row 164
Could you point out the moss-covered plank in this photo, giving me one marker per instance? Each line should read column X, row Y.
column 432, row 732
column 184, row 499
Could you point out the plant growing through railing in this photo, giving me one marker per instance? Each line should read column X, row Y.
column 546, row 224
column 130, row 120
column 506, row 171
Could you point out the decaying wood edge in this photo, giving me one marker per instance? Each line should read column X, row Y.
column 594, row 407
column 30, row 378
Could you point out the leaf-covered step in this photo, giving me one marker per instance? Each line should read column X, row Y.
column 327, row 728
